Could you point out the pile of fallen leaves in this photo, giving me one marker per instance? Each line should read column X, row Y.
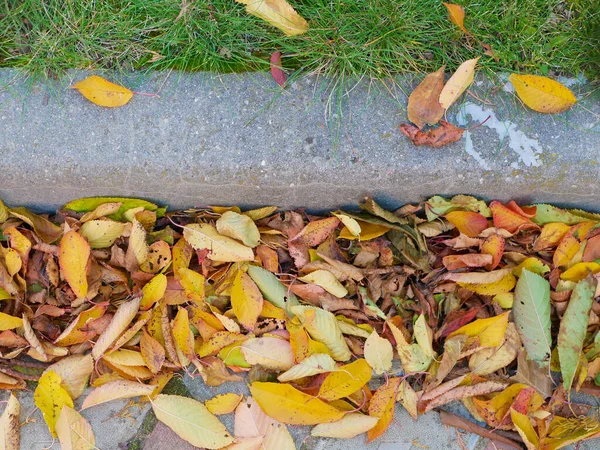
column 331, row 320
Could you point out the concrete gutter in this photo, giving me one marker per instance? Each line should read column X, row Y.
column 240, row 139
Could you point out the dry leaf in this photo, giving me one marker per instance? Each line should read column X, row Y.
column 269, row 352
column 278, row 13
column 246, row 300
column 445, row 134
column 75, row 371
column 543, row 94
column 103, row 93
column 116, row 390
column 456, row 13
column 73, row 258
column 223, row 403
column 191, row 421
column 240, row 227
column 50, row 397
column 458, row 83
column 345, row 380
column 379, row 353
column 74, row 432
column 423, row 104
column 351, row 425
column 203, row 236
column 312, row 365
column 119, row 323
column 10, row 426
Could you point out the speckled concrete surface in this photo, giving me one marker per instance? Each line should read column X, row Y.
column 225, row 139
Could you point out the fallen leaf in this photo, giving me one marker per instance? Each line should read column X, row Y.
column 351, row 425
column 103, row 93
column 490, row 332
column 10, row 425
column 445, row 134
column 458, row 83
column 468, row 222
column 327, row 281
column 50, row 397
column 379, row 353
column 152, row 352
column 288, row 405
column 543, row 94
column 191, row 421
column 271, row 288
column 74, row 432
column 240, row 227
column 118, row 324
column 116, row 390
column 153, row 291
column 246, row 300
column 74, row 253
column 525, row 429
column 223, row 403
column 276, row 69
column 221, row 248
column 312, row 365
column 345, row 380
column 278, row 13
column 316, row 231
column 8, row 322
column 423, row 104
column 488, row 360
column 269, row 352
column 74, row 371
column 252, row 423
column 531, row 311
column 456, row 13
column 382, row 406
column 573, row 328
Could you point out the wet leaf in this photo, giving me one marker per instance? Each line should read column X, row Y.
column 543, row 94
column 102, row 92
column 423, row 104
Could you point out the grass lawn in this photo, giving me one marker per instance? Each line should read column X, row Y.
column 376, row 38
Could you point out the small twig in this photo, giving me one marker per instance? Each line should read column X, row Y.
column 16, row 374
column 458, row 422
column 477, row 126
column 146, row 94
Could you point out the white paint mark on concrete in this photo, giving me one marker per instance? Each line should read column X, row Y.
column 572, row 81
column 527, row 149
column 474, row 153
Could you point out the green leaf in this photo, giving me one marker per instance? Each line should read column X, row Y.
column 91, row 203
column 531, row 310
column 271, row 288
column 548, row 214
column 573, row 328
column 438, row 206
column 369, row 205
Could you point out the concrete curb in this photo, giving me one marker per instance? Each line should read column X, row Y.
column 239, row 139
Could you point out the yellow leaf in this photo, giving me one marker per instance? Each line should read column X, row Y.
column 551, row 235
column 412, row 356
column 153, row 291
column 533, row 265
column 10, row 425
column 218, row 341
column 116, row 390
column 137, row 250
column 240, row 227
column 73, row 256
column 327, row 281
column 74, row 432
column 118, row 324
column 288, row 405
column 490, row 332
column 50, row 397
column 246, row 300
column 349, row 426
column 458, row 83
column 159, row 258
column 382, row 406
column 182, row 255
column 505, row 299
column 184, row 341
column 193, row 284
column 124, row 357
column 379, row 353
column 75, row 333
column 260, row 213
column 8, row 322
column 269, row 352
column 323, row 327
column 223, row 403
column 75, row 371
column 278, row 13
column 312, row 365
column 102, row 92
column 351, row 224
column 368, row 231
column 102, row 233
column 104, row 209
column 488, row 360
column 456, row 13
column 12, row 261
column 221, row 248
column 345, row 380
column 191, row 421
column 152, row 352
column 542, row 94
column 525, row 429
column 580, row 270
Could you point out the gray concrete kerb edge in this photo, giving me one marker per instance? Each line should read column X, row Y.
column 237, row 139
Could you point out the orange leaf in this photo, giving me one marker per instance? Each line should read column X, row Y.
column 509, row 219
column 382, row 406
column 316, row 232
column 565, row 251
column 445, row 134
column 102, row 92
column 456, row 13
column 467, row 222
column 494, row 246
column 73, row 256
column 551, row 235
column 454, row 262
column 423, row 104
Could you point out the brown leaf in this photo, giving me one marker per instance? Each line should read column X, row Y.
column 423, row 104
column 445, row 134
column 276, row 69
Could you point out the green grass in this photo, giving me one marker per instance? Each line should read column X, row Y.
column 377, row 38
